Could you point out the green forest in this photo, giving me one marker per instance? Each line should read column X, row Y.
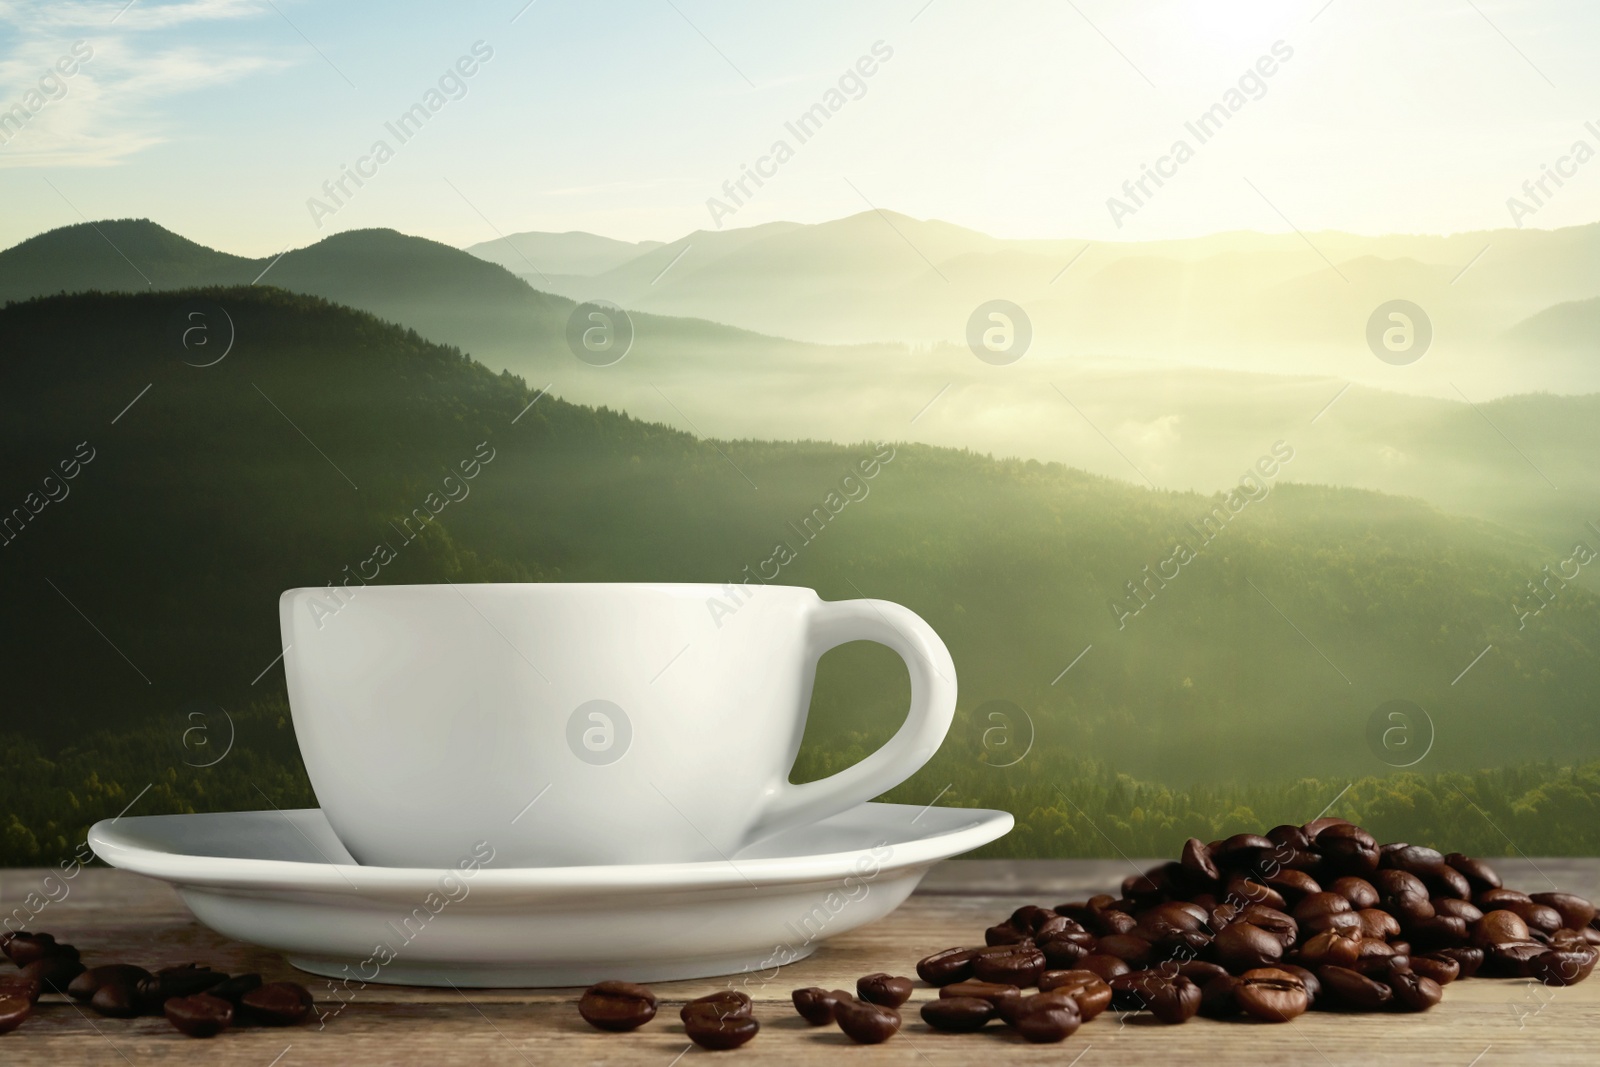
column 142, row 591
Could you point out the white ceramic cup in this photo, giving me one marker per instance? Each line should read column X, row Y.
column 570, row 724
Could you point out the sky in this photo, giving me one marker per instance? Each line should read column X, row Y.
column 223, row 119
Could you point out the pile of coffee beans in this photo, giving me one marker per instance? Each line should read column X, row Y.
column 197, row 1001
column 1263, row 927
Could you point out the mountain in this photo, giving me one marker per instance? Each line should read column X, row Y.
column 533, row 254
column 114, row 255
column 1573, row 326
column 150, row 577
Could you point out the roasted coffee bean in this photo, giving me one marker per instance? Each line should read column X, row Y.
column 1348, row 849
column 1441, row 931
column 957, row 1015
column 1478, row 873
column 1006, row 934
column 1292, row 884
column 120, row 1000
column 1307, row 978
column 1499, row 897
column 885, row 989
column 1241, row 947
column 1576, row 912
column 719, row 1033
column 1412, row 991
column 1469, row 958
column 1088, row 989
column 201, row 1015
column 1414, row 859
column 994, row 992
column 723, row 1004
column 1457, row 909
column 1065, row 949
column 1029, row 916
column 1498, row 928
column 83, row 986
column 1449, row 884
column 1358, row 891
column 16, row 984
column 1046, row 1018
column 1565, row 966
column 1217, row 999
column 617, row 1006
column 1201, row 971
column 1112, row 921
column 1171, row 1000
column 1349, row 989
column 867, row 1024
column 1271, row 994
column 1380, row 967
column 1514, row 959
column 1197, row 862
column 14, row 1011
column 282, row 1004
column 235, row 987
column 1338, row 947
column 1107, row 967
column 1317, row 905
column 1019, row 965
column 25, row 947
column 1290, row 835
column 183, row 981
column 814, row 1004
column 54, row 973
column 1241, row 850
column 1440, row 968
column 1316, row 826
column 1379, row 924
column 1132, row 949
column 1277, row 923
column 951, row 965
column 1538, row 916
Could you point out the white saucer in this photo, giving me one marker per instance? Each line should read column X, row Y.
column 282, row 880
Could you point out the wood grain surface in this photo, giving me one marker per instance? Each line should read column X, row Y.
column 116, row 916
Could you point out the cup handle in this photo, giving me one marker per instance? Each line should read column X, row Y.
column 933, row 705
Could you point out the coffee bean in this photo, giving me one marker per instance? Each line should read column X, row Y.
column 886, row 989
column 16, row 984
column 1271, row 994
column 719, row 1033
column 957, row 1014
column 1537, row 916
column 1514, row 959
column 1132, row 949
column 83, row 987
column 1242, row 946
column 1019, row 965
column 14, row 1011
column 1199, row 971
column 865, row 1023
column 117, row 999
column 1006, row 934
column 1378, row 924
column 1469, row 959
column 1292, row 884
column 1112, row 921
column 1348, row 849
column 1576, row 912
column 279, row 1004
column 1499, row 897
column 201, row 1015
column 1478, row 873
column 814, row 1004
column 1565, row 966
column 723, row 1004
column 1312, row 983
column 1457, row 909
column 1087, row 989
column 1414, row 859
column 1440, row 968
column 1277, row 923
column 1197, row 861
column 1065, row 949
column 951, row 965
column 1316, row 826
column 1288, row 834
column 617, row 1006
column 1046, row 1018
column 1358, row 891
column 993, row 992
column 235, row 987
column 1349, row 989
column 26, row 947
column 1449, row 883
column 1413, row 992
column 1499, row 927
column 186, row 980
column 54, row 973
column 1107, row 967
column 1338, row 947
column 1170, row 999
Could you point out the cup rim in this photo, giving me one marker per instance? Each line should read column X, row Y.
column 664, row 586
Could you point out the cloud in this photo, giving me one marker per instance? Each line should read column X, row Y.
column 112, row 106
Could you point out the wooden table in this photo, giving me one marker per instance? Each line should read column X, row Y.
column 113, row 915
